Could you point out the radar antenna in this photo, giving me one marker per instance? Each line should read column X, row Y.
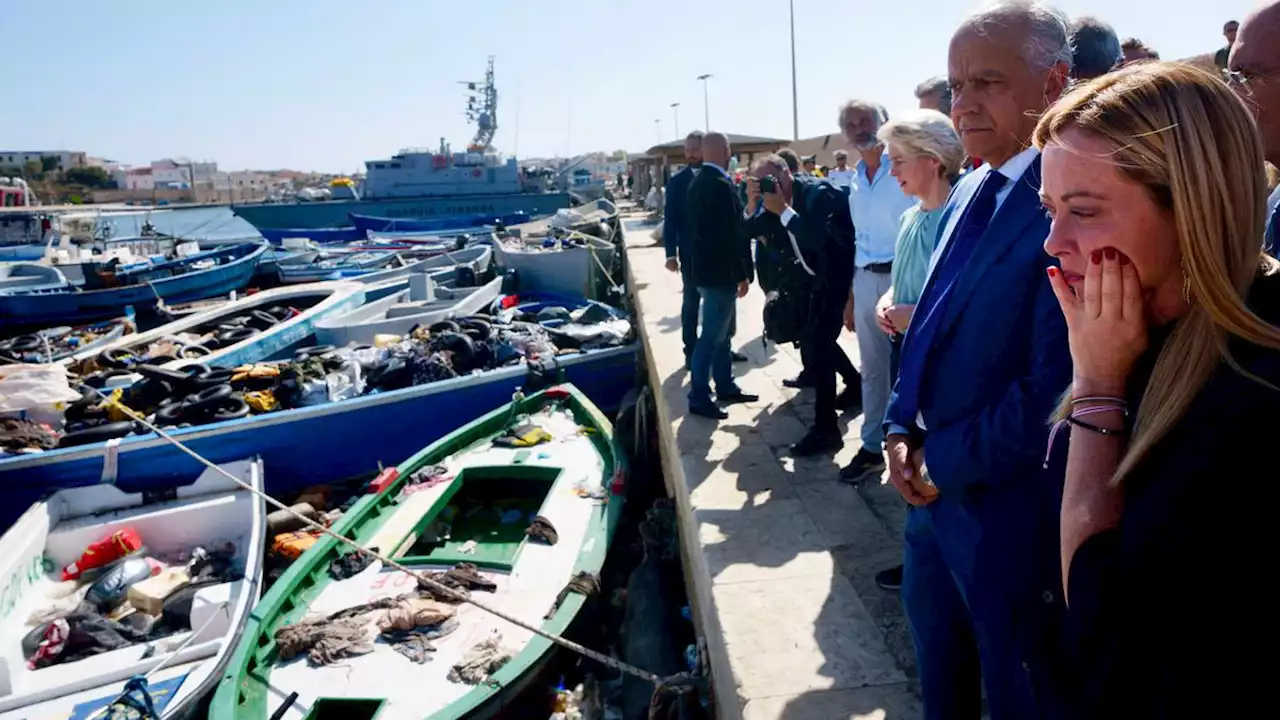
column 482, row 109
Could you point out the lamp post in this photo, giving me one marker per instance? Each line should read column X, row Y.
column 706, row 111
column 795, row 107
column 675, row 116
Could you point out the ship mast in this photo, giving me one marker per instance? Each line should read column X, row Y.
column 482, row 109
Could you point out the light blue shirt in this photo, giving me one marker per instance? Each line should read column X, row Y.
column 877, row 206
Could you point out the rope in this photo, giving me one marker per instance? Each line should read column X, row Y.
column 422, row 579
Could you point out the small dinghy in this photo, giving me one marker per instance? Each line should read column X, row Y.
column 338, row 265
column 431, row 298
column 479, row 258
column 30, row 276
column 102, row 586
column 518, row 507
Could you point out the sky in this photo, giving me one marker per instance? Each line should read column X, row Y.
column 324, row 85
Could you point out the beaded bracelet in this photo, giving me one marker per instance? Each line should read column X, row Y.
column 1074, row 419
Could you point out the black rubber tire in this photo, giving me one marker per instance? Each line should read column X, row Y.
column 160, row 359
column 169, row 401
column 171, row 414
column 462, row 348
column 302, row 354
column 231, row 337
column 444, row 326
column 193, row 369
column 26, row 343
column 191, row 352
column 99, row 433
column 99, row 379
column 262, row 319
column 208, row 398
column 233, row 409
column 116, row 358
column 481, row 327
column 212, row 377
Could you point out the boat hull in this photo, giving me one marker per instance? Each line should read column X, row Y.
column 336, row 213
column 312, row 445
column 61, row 307
column 460, row 222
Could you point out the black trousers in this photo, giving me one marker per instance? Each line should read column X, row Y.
column 823, row 359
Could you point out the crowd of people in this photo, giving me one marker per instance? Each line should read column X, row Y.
column 1060, row 271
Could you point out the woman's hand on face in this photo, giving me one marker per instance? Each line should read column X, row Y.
column 1106, row 321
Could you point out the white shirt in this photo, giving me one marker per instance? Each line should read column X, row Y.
column 841, row 178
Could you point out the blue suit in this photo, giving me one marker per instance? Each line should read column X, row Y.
column 981, row 563
column 673, row 225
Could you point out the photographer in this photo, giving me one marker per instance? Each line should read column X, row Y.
column 805, row 223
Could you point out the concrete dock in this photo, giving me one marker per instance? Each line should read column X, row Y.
column 780, row 556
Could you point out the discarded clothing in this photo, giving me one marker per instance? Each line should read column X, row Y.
column 325, row 641
column 542, row 529
column 426, row 478
column 214, row 566
column 379, row 604
column 21, row 434
column 584, row 583
column 481, row 661
column 80, row 635
column 409, row 613
column 523, row 435
column 416, row 644
column 464, row 576
column 345, row 566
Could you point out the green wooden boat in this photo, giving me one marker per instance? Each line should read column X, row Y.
column 468, row 498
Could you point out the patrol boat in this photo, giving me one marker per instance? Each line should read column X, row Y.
column 425, row 183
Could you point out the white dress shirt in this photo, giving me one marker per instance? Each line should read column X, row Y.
column 841, row 178
column 1013, row 169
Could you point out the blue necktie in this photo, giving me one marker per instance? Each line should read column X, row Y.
column 928, row 313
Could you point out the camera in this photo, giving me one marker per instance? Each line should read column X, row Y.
column 768, row 184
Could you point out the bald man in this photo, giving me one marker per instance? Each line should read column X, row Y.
column 720, row 255
column 1254, row 72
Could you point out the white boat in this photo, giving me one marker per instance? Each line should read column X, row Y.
column 315, row 302
column 567, row 266
column 429, row 299
column 478, row 258
column 213, row 513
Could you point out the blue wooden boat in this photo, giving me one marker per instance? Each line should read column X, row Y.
column 371, row 223
column 196, row 277
column 338, row 265
column 309, row 445
column 323, row 236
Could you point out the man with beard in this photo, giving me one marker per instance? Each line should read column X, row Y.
column 876, row 202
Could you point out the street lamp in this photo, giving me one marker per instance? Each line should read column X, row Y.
column 706, row 111
column 795, row 107
column 675, row 115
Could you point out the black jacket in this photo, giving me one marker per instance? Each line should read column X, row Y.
column 823, row 231
column 719, row 252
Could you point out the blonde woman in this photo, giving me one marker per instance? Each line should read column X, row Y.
column 1154, row 178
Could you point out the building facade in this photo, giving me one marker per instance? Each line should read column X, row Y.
column 66, row 159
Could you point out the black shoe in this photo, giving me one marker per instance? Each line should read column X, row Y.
column 736, row 356
column 864, row 465
column 817, row 442
column 708, row 411
column 800, row 381
column 849, row 398
column 890, row 579
column 738, row 397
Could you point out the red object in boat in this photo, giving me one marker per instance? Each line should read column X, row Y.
column 510, row 301
column 619, row 482
column 384, row 479
column 558, row 392
column 107, row 550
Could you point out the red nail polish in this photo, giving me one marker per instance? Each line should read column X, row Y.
column 1111, row 253
column 1124, row 259
column 1097, row 257
column 1053, row 271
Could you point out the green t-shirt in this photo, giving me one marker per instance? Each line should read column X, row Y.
column 917, row 237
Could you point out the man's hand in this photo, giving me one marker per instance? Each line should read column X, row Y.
column 753, row 195
column 899, row 316
column 774, row 202
column 742, row 288
column 673, row 265
column 904, row 471
column 848, row 314
column 882, row 313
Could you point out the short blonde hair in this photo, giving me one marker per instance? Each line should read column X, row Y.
column 926, row 132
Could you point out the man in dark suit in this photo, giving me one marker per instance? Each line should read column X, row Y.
column 805, row 224
column 672, row 239
column 984, row 361
column 720, row 255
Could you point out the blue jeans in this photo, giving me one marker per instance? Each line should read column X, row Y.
column 711, row 354
column 690, row 306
